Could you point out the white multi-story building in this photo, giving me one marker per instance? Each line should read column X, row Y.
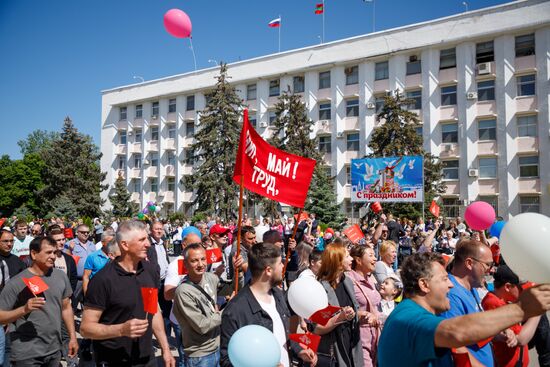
column 480, row 81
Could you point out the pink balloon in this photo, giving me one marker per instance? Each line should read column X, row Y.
column 177, row 23
column 479, row 215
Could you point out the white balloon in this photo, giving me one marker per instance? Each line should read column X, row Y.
column 307, row 296
column 525, row 245
column 157, row 209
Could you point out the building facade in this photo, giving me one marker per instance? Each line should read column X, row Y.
column 480, row 81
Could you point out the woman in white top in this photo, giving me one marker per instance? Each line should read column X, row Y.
column 384, row 267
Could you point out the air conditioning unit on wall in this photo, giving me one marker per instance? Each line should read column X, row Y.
column 263, row 124
column 484, row 68
column 371, row 106
column 473, row 172
column 340, row 135
column 471, row 95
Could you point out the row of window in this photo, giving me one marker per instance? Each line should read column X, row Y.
column 527, row 204
column 528, row 167
column 154, row 133
column 155, row 108
column 135, row 185
column 153, row 160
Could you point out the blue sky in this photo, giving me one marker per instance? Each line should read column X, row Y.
column 57, row 55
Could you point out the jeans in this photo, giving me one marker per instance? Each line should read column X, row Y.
column 204, row 361
column 179, row 344
column 51, row 360
column 5, row 348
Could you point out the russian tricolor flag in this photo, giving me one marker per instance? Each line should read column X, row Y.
column 275, row 23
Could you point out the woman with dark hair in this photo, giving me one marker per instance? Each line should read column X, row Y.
column 340, row 339
column 364, row 262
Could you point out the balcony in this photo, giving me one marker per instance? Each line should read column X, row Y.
column 529, row 186
column 120, row 173
column 272, row 101
column 152, row 196
column 486, row 108
column 135, row 197
column 453, row 187
column 487, row 147
column 347, row 191
column 154, row 120
column 525, row 63
column 134, row 173
column 151, row 172
column 351, row 124
column 350, row 154
column 187, row 196
column 323, row 94
column 138, row 122
column 153, row 146
column 327, row 158
column 187, row 170
column 413, row 81
column 120, row 149
column 170, row 171
column 170, row 144
column 324, row 127
column 449, row 150
column 448, row 113
column 135, row 148
column 381, row 86
column 526, row 104
column 488, row 186
column 447, row 76
column 351, row 90
column 171, row 117
column 122, row 125
column 528, row 144
column 189, row 115
column 168, row 197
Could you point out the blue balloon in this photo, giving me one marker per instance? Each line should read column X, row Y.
column 496, row 228
column 254, row 346
column 188, row 230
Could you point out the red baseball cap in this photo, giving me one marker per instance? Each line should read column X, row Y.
column 217, row 229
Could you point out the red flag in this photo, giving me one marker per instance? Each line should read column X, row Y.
column 36, row 285
column 181, row 267
column 303, row 216
column 68, row 232
column 76, row 259
column 2, row 220
column 461, row 359
column 322, row 316
column 319, row 8
column 213, row 255
column 271, row 172
column 307, row 340
column 484, row 342
column 434, row 209
column 354, row 233
column 150, row 300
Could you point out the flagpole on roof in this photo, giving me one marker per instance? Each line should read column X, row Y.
column 323, row 39
column 281, row 24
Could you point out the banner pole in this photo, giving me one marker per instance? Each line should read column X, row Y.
column 239, row 226
column 294, row 230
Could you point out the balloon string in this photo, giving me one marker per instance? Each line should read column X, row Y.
column 193, row 51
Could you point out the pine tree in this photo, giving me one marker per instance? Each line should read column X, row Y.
column 216, row 145
column 72, row 170
column 397, row 136
column 120, row 200
column 321, row 200
column 63, row 207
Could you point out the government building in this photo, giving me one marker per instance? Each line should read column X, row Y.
column 479, row 80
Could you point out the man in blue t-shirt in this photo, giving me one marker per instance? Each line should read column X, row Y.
column 414, row 336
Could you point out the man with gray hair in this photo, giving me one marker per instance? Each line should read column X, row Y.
column 114, row 315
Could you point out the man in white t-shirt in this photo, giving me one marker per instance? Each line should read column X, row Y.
column 22, row 240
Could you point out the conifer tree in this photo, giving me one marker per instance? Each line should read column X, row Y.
column 120, row 200
column 215, row 149
column 397, row 136
column 73, row 170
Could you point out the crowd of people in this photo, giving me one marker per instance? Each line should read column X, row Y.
column 409, row 293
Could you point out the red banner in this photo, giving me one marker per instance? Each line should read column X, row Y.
column 303, row 216
column 213, row 255
column 271, row 172
column 68, row 232
column 354, row 233
column 150, row 300
column 434, row 209
column 307, row 340
column 36, row 285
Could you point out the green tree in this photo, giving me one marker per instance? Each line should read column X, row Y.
column 321, row 200
column 73, row 171
column 37, row 141
column 63, row 207
column 397, row 136
column 120, row 200
column 216, row 145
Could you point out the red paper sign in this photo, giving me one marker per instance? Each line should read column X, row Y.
column 271, row 172
column 484, row 342
column 461, row 359
column 303, row 216
column 68, row 232
column 322, row 316
column 307, row 340
column 213, row 255
column 36, row 285
column 181, row 267
column 150, row 300
column 76, row 258
column 434, row 209
column 354, row 233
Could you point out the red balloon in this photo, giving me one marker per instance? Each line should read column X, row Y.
column 177, row 23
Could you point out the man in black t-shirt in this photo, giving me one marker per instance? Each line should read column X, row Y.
column 114, row 316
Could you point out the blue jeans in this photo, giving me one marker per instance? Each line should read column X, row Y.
column 179, row 344
column 204, row 361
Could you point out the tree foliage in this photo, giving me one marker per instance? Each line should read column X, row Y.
column 37, row 141
column 120, row 200
column 216, row 145
column 397, row 136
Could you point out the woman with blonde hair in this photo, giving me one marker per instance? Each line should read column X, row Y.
column 340, row 338
column 384, row 267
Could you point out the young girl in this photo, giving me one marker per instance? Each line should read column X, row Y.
column 390, row 289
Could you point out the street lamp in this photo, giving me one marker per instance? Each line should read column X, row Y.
column 465, row 5
column 139, row 77
column 213, row 61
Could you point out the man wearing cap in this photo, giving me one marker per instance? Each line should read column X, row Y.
column 510, row 347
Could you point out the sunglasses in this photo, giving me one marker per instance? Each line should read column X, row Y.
column 84, row 232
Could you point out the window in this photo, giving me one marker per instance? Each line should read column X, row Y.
column 485, row 52
column 272, row 116
column 447, row 58
column 136, row 186
column 416, row 96
column 138, row 135
column 171, row 105
column 450, row 170
column 274, row 88
column 452, row 207
column 251, row 92
column 121, row 162
column 353, row 141
column 352, row 108
column 529, row 204
column 190, row 103
column 171, row 131
column 526, row 85
column 348, row 175
column 491, row 200
column 486, row 90
column 139, row 111
column 123, row 113
column 154, row 160
column 253, row 119
column 328, row 171
column 189, row 129
column 419, row 130
column 527, row 125
column 154, row 185
column 487, row 168
column 352, row 75
column 324, row 80
column 155, row 109
column 154, row 133
column 122, row 137
column 298, row 84
column 381, row 70
column 487, row 129
column 525, row 45
column 189, row 156
column 449, row 133
column 171, row 184
column 324, row 111
column 414, row 67
column 379, row 103
column 529, row 166
column 137, row 160
column 448, row 95
column 325, row 145
column 171, row 158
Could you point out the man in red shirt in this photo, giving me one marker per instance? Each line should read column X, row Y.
column 510, row 346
